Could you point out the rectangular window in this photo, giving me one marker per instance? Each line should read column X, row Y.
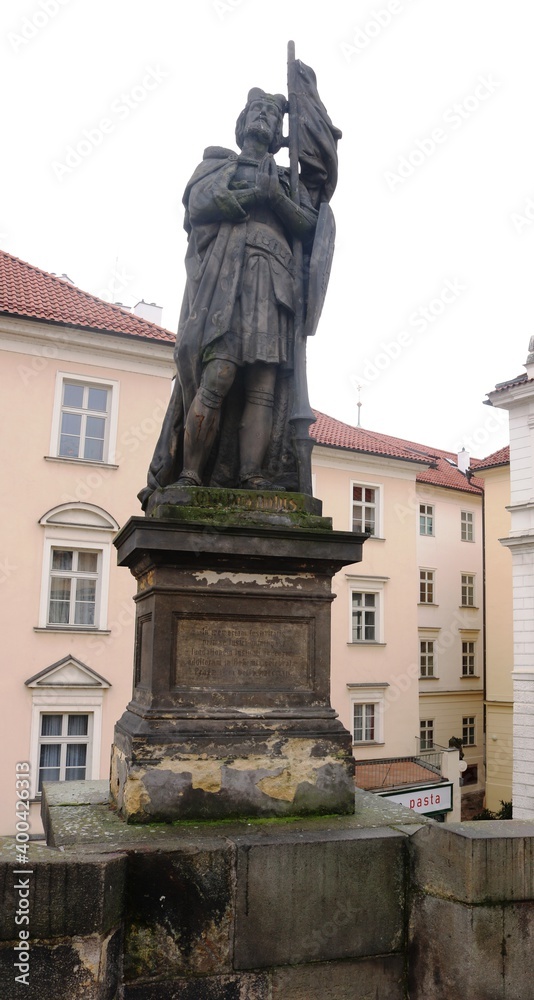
column 426, row 657
column 467, row 529
column 426, row 586
column 364, row 617
column 83, row 429
column 364, row 723
column 426, row 734
column 426, row 519
column 74, row 578
column 63, row 747
column 364, row 509
column 468, row 659
column 468, row 590
column 468, row 730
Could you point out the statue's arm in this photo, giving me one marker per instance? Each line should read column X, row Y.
column 211, row 200
column 299, row 220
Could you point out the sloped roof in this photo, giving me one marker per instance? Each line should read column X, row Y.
column 511, row 383
column 28, row 291
column 500, row 457
column 334, row 433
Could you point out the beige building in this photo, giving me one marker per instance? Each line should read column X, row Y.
column 84, row 389
column 495, row 471
column 407, row 624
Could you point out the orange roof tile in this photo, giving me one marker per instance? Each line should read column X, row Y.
column 28, row 291
column 438, row 472
column 500, row 457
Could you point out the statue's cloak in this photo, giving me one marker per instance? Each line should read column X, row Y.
column 214, row 263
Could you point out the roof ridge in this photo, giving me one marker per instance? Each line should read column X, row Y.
column 33, row 292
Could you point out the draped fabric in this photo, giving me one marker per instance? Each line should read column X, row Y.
column 318, row 138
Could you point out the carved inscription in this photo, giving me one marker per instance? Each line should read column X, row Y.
column 267, row 654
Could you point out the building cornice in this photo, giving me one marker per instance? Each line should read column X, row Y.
column 359, row 462
column 49, row 341
column 507, row 397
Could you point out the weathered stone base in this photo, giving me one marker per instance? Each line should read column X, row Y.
column 230, row 714
column 244, row 768
column 381, row 905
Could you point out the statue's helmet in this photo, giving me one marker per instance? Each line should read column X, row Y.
column 279, row 101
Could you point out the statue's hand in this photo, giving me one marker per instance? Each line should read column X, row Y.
column 267, row 184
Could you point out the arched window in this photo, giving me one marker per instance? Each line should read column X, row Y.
column 76, row 562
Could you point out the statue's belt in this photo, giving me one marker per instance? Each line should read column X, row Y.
column 259, row 239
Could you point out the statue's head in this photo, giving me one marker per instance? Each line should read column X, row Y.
column 262, row 112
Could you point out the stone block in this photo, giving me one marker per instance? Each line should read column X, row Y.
column 369, row 979
column 69, row 895
column 476, row 862
column 77, row 968
column 179, row 911
column 239, row 987
column 480, row 952
column 335, row 895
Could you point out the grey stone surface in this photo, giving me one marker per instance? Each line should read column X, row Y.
column 231, row 714
column 82, row 968
column 330, row 896
column 479, row 952
column 68, row 895
column 179, row 912
column 491, row 861
column 237, row 987
column 368, row 979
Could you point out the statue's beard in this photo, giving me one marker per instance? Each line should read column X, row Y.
column 261, row 129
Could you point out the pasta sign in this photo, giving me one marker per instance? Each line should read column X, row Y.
column 428, row 800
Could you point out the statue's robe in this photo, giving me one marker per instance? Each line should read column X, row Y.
column 218, row 256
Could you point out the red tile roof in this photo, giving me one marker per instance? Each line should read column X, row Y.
column 500, row 457
column 28, row 291
column 335, row 434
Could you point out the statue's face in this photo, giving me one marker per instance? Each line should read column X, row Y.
column 262, row 120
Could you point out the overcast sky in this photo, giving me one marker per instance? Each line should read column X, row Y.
column 109, row 104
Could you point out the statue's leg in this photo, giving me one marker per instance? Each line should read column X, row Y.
column 203, row 418
column 256, row 424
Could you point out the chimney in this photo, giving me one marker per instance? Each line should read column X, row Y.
column 148, row 310
column 463, row 460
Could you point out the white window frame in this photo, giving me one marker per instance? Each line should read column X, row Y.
column 428, row 507
column 473, row 642
column 466, row 524
column 64, row 740
column 469, row 724
column 470, row 590
column 67, row 687
column 79, row 527
column 429, row 727
column 378, row 505
column 424, row 569
column 110, row 442
column 362, row 694
column 75, row 575
column 426, row 654
column 368, row 585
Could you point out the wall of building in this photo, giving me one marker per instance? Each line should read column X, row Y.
column 499, row 638
column 384, row 671
column 35, row 482
column 449, row 697
column 518, row 399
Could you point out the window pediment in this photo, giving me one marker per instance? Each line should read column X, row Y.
column 81, row 515
column 68, row 673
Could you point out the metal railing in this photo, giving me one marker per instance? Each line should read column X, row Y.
column 396, row 772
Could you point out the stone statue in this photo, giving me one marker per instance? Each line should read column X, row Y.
column 251, row 228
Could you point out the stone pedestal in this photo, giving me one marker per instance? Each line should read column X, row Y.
column 231, row 714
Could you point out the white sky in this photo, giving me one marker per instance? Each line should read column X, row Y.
column 113, row 222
